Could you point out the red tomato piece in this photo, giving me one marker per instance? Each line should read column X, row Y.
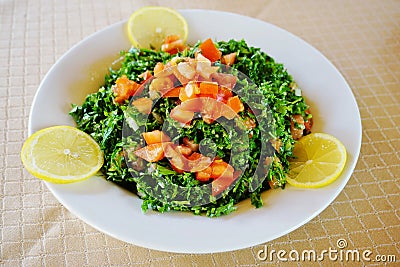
column 221, row 169
column 172, row 150
column 143, row 105
column 174, row 92
column 197, row 162
column 178, row 164
column 229, row 59
column 181, row 115
column 220, row 185
column 176, row 159
column 226, row 111
column 173, row 44
column 184, row 150
column 211, row 109
column 224, row 79
column 146, row 75
column 188, row 92
column 151, row 153
column 194, row 105
column 162, row 84
column 208, row 89
column 155, row 136
column 308, row 123
column 171, row 38
column 235, row 104
column 190, row 144
column 124, row 89
column 158, row 68
column 224, row 93
column 169, row 150
column 194, row 156
column 210, row 51
column 249, row 123
column 296, row 126
column 204, row 175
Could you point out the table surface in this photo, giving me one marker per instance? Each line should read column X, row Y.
column 361, row 38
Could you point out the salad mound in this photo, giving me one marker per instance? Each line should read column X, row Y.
column 197, row 128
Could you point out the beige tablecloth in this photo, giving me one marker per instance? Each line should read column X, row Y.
column 361, row 38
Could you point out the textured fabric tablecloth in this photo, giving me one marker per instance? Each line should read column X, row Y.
column 361, row 38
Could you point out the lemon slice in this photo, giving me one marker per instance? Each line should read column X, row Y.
column 149, row 26
column 320, row 159
column 61, row 154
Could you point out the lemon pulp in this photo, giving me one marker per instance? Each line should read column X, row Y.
column 149, row 26
column 320, row 159
column 61, row 154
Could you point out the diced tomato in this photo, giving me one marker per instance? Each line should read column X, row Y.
column 172, row 150
column 224, row 93
column 204, row 68
column 224, row 79
column 211, row 109
column 146, row 75
column 162, row 84
column 143, row 105
column 235, row 103
column 221, row 184
column 184, row 150
column 194, row 105
column 173, row 44
column 224, row 175
column 188, row 92
column 181, row 115
column 155, row 136
column 221, row 169
column 175, row 167
column 171, row 38
column 187, row 69
column 236, row 174
column 297, row 126
column 204, row 175
column 308, row 123
column 191, row 144
column 178, row 163
column 227, row 111
column 195, row 156
column 169, row 149
column 180, row 77
column 197, row 162
column 151, row 153
column 174, row 92
column 208, row 89
column 158, row 68
column 124, row 89
column 210, row 51
column 176, row 159
column 229, row 59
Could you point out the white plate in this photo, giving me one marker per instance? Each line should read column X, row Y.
column 117, row 212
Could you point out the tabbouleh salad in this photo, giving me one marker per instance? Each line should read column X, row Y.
column 103, row 113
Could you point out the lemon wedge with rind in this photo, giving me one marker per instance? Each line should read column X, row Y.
column 320, row 159
column 61, row 154
column 149, row 26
